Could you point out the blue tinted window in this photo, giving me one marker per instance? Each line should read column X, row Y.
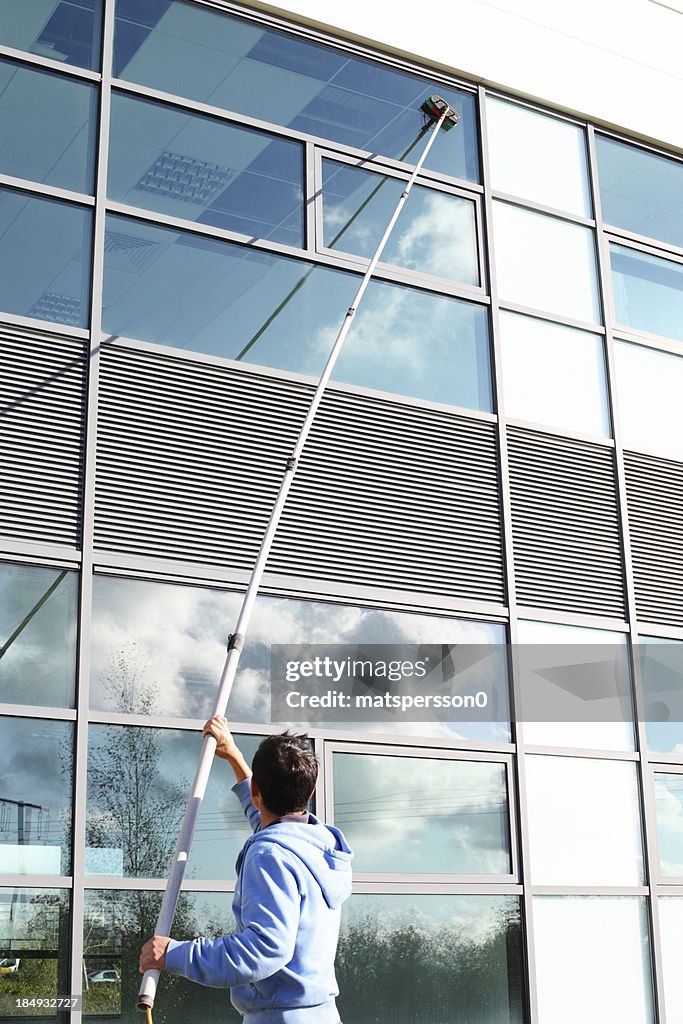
column 179, row 289
column 436, row 233
column 47, row 127
column 648, row 292
column 222, row 60
column 64, row 30
column 640, row 191
column 200, row 169
column 44, row 258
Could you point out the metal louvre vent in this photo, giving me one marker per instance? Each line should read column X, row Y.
column 41, row 430
column 190, row 457
column 567, row 544
column 654, row 489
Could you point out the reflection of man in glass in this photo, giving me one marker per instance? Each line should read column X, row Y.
column 293, row 875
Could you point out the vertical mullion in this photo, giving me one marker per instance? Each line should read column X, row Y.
column 310, row 197
column 648, row 810
column 87, row 518
column 519, row 765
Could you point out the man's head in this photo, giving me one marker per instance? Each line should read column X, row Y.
column 285, row 772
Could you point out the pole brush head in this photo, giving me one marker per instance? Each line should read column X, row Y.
column 434, row 107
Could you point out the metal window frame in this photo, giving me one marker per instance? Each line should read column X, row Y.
column 426, row 753
column 410, row 276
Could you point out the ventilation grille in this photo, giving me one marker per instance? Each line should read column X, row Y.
column 654, row 490
column 565, row 524
column 191, row 455
column 41, row 433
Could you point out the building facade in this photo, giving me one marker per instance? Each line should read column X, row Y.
column 189, row 194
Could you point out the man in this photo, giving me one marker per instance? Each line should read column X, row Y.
column 293, row 875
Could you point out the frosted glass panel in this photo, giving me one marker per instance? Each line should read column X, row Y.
column 554, row 375
column 545, row 263
column 584, row 821
column 649, row 385
column 537, row 157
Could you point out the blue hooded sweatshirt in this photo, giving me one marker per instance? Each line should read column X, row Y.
column 292, row 879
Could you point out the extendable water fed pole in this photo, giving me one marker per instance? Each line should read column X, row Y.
column 442, row 116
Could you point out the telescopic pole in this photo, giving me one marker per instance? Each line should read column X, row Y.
column 150, row 979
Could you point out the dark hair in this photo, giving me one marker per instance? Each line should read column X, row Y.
column 285, row 771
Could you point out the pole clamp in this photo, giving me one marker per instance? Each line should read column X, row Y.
column 235, row 641
column 350, row 311
column 291, row 463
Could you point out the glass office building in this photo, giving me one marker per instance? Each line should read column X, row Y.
column 189, row 194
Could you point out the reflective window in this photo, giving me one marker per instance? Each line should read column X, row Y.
column 36, row 768
column 582, row 678
column 414, row 815
column 47, row 124
column 669, row 796
column 436, row 233
column 115, row 926
column 138, row 775
column 426, row 959
column 545, row 263
column 649, row 386
column 63, row 30
column 648, row 292
column 178, row 289
column 602, row 944
column 671, row 929
column 661, row 671
column 640, row 191
column 180, row 48
column 201, row 169
column 34, row 958
column 148, row 632
column 38, row 614
column 537, row 157
column 554, row 375
column 45, row 258
column 584, row 821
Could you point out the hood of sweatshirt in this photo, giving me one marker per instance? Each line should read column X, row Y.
column 322, row 849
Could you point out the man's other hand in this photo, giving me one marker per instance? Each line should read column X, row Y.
column 153, row 953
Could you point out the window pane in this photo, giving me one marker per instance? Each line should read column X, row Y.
column 36, row 770
column 554, row 375
column 537, row 157
column 436, row 233
column 430, row 959
column 661, row 669
column 182, row 49
column 138, row 775
column 649, row 385
column 640, row 191
column 64, row 30
column 145, row 632
column 200, row 169
column 38, row 615
column 669, row 796
column 545, row 263
column 51, row 122
column 45, row 258
column 599, row 662
column 408, row 815
column 602, row 944
column 584, row 821
column 117, row 923
column 34, row 957
column 178, row 289
column 648, row 292
column 671, row 928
